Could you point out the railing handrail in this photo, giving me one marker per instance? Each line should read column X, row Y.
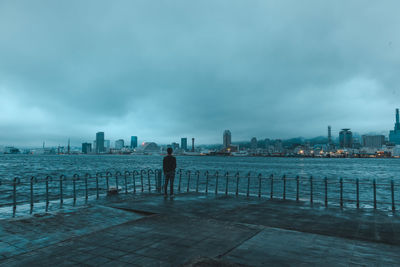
column 317, row 188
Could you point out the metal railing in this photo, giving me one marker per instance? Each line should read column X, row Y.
column 340, row 192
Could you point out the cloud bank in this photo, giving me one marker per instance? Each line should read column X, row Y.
column 162, row 70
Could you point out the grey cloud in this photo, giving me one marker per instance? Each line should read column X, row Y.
column 165, row 69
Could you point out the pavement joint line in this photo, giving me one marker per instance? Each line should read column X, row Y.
column 238, row 245
column 141, row 212
column 71, row 238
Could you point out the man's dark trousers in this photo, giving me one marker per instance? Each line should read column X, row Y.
column 169, row 176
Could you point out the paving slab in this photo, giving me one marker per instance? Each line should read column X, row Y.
column 200, row 230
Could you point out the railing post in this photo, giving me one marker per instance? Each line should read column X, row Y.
column 392, row 189
column 47, row 193
column 74, row 178
column 117, row 175
column 374, row 187
column 180, row 179
column 216, row 182
column 97, row 184
column 226, row 183
column 341, row 192
column 206, row 182
column 248, row 184
column 358, row 192
column 156, row 180
column 197, row 182
column 259, row 185
column 326, row 191
column 108, row 175
column 141, row 179
column 87, row 175
column 311, row 189
column 272, row 186
column 32, row 180
column 188, row 183
column 159, row 181
column 134, row 173
column 126, row 174
column 297, row 188
column 237, row 183
column 15, row 182
column 284, row 186
column 149, row 172
column 62, row 177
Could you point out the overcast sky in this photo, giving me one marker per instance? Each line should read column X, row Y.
column 162, row 70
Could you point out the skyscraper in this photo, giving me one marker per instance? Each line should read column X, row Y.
column 134, row 142
column 119, row 144
column 86, row 148
column 394, row 135
column 227, row 138
column 107, row 145
column 184, row 143
column 99, row 142
column 329, row 135
column 346, row 138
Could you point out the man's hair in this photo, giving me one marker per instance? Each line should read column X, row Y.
column 169, row 151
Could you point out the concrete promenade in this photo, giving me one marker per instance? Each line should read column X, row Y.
column 199, row 230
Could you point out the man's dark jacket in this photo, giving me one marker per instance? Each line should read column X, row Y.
column 169, row 164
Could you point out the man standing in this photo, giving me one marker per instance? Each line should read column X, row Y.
column 169, row 166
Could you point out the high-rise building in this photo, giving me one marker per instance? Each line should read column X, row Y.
column 192, row 144
column 86, row 148
column 253, row 143
column 100, row 142
column 346, row 138
column 134, row 142
column 119, row 144
column 394, row 135
column 107, row 145
column 175, row 146
column 373, row 141
column 184, row 143
column 329, row 135
column 227, row 138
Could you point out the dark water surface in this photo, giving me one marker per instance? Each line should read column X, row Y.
column 383, row 170
column 24, row 166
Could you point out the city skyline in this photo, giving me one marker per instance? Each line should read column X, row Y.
column 187, row 68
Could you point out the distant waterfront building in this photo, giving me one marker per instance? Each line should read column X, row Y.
column 175, row 146
column 346, row 138
column 184, row 143
column 134, row 142
column 107, row 145
column 149, row 147
column 278, row 146
column 100, row 142
column 267, row 143
column 86, row 148
column 373, row 141
column 119, row 144
column 193, row 144
column 394, row 135
column 253, row 143
column 227, row 138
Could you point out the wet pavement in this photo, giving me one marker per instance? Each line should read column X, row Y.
column 200, row 230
